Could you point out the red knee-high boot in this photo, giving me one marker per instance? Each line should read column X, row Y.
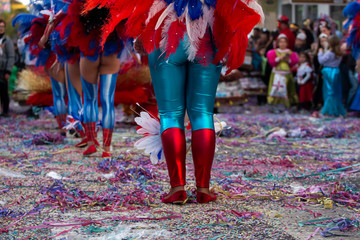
column 84, row 141
column 61, row 120
column 174, row 147
column 203, row 149
column 91, row 136
column 107, row 136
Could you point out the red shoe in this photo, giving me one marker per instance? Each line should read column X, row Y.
column 90, row 150
column 205, row 198
column 82, row 144
column 106, row 155
column 179, row 197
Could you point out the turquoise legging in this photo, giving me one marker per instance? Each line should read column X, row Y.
column 179, row 85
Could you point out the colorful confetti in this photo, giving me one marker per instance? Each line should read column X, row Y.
column 277, row 176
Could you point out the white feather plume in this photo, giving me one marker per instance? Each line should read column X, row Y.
column 256, row 7
column 151, row 143
column 157, row 6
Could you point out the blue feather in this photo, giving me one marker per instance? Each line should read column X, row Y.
column 50, row 109
column 195, row 9
column 350, row 11
column 23, row 18
column 180, row 6
column 211, row 3
column 43, row 57
column 169, row 1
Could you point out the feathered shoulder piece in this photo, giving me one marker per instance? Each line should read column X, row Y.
column 164, row 23
column 24, row 20
column 352, row 12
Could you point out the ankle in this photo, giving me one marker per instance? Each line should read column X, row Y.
column 204, row 190
column 175, row 190
column 178, row 188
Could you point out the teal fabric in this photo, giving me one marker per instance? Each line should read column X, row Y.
column 332, row 92
column 182, row 85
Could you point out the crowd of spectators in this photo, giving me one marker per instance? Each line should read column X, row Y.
column 306, row 66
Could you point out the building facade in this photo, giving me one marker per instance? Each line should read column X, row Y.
column 299, row 10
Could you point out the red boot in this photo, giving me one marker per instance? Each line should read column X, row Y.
column 90, row 133
column 205, row 198
column 84, row 140
column 61, row 120
column 107, row 136
column 180, row 197
column 174, row 146
column 203, row 149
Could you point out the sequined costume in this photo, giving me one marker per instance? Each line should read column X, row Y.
column 186, row 42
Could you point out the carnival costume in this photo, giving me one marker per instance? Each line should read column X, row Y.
column 282, row 85
column 33, row 26
column 186, row 42
column 352, row 12
column 305, row 81
column 83, row 31
column 332, row 88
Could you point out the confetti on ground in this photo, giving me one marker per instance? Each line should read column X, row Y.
column 284, row 176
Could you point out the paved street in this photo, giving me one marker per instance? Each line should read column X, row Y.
column 277, row 176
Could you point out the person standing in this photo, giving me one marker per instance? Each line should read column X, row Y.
column 7, row 60
column 284, row 28
column 282, row 85
column 332, row 89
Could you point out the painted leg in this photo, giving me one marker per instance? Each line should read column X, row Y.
column 59, row 92
column 74, row 103
column 107, row 92
column 90, row 113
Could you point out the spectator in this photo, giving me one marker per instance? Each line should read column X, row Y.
column 255, row 38
column 309, row 37
column 294, row 28
column 305, row 81
column 7, row 59
column 282, row 86
column 300, row 43
column 285, row 29
column 325, row 29
column 318, row 92
column 332, row 91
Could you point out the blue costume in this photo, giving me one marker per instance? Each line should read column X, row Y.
column 185, row 42
column 332, row 90
column 84, row 31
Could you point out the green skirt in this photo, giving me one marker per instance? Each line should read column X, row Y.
column 282, row 90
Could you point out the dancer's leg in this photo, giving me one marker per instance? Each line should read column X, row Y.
column 59, row 92
column 169, row 77
column 89, row 76
column 201, row 91
column 109, row 68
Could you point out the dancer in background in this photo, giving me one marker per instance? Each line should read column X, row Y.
column 97, row 65
column 69, row 58
column 186, row 44
column 33, row 27
column 352, row 12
